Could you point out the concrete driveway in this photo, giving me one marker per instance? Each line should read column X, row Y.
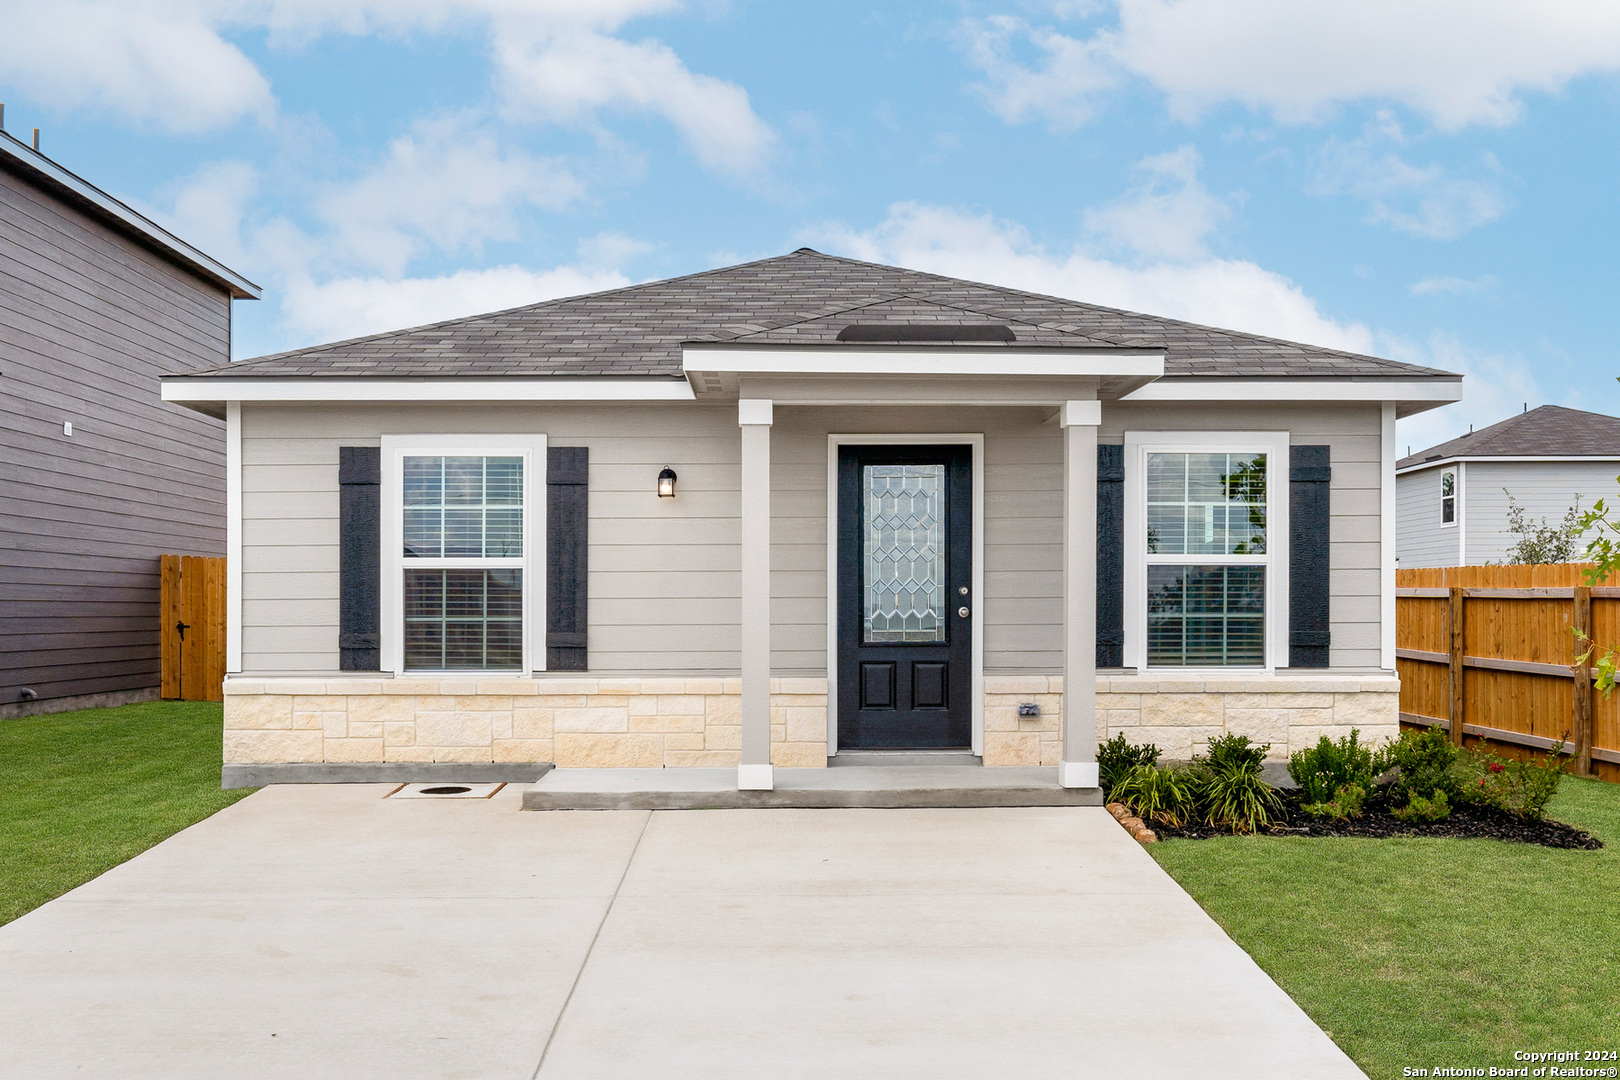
column 327, row 931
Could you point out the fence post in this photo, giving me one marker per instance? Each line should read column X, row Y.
column 1581, row 669
column 1458, row 641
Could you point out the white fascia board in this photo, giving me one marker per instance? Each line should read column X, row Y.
column 1429, row 391
column 241, row 288
column 185, row 389
column 947, row 360
column 1556, row 459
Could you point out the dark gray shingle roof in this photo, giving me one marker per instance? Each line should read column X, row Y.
column 1548, row 431
column 804, row 296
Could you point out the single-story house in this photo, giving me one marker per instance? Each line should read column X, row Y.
column 801, row 508
column 1453, row 500
column 99, row 477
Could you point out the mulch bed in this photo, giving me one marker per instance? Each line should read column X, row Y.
column 1377, row 822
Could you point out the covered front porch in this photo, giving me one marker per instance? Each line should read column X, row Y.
column 906, row 487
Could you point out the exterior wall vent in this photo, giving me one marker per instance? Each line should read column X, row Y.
column 893, row 332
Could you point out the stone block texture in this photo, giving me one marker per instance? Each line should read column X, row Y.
column 627, row 722
column 1181, row 714
column 574, row 722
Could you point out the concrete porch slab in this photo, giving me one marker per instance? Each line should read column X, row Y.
column 871, row 786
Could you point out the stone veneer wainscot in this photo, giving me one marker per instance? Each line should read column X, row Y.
column 652, row 722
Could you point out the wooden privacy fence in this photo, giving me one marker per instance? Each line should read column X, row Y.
column 1488, row 651
column 193, row 627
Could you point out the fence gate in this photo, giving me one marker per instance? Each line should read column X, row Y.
column 193, row 626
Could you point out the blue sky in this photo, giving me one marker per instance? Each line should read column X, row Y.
column 1430, row 181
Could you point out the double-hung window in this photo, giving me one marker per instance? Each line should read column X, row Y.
column 1206, row 549
column 462, row 532
column 1448, row 496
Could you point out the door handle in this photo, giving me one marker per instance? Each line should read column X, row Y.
column 961, row 612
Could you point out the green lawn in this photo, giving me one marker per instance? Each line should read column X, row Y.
column 81, row 792
column 1428, row 953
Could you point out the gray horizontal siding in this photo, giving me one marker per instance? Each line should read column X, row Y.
column 1353, row 433
column 664, row 581
column 1421, row 538
column 1545, row 489
column 88, row 321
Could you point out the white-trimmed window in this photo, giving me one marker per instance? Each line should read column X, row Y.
column 1206, row 549
column 463, row 537
column 1448, row 496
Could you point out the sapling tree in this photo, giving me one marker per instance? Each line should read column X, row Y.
column 1603, row 552
column 1539, row 541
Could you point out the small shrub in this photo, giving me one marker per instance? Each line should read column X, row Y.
column 1420, row 809
column 1116, row 758
column 1425, row 761
column 1518, row 787
column 1230, row 792
column 1230, row 751
column 1160, row 795
column 1347, row 802
column 1322, row 770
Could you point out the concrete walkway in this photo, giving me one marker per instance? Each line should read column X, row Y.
column 327, row 932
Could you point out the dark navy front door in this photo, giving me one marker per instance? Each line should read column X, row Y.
column 905, row 575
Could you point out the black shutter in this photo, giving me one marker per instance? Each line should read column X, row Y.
column 1110, row 556
column 359, row 558
column 567, row 526
column 1308, row 528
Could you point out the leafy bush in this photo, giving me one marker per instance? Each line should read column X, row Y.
column 1346, row 803
column 1425, row 760
column 1161, row 795
column 1233, row 751
column 1230, row 793
column 1322, row 770
column 1116, row 758
column 1420, row 809
column 1518, row 787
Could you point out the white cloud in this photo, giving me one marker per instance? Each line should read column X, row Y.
column 153, row 63
column 1457, row 62
column 1423, row 200
column 1168, row 216
column 1452, row 286
column 1061, row 85
column 448, row 185
column 170, row 63
column 1219, row 292
column 567, row 76
column 355, row 306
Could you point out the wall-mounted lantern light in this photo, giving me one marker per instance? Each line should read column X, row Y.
column 666, row 483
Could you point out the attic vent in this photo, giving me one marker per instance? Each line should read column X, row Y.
column 925, row 332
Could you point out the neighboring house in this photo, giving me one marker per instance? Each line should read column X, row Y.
column 98, row 476
column 797, row 508
column 1452, row 499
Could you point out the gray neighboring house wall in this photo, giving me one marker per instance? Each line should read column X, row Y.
column 1545, row 459
column 96, row 302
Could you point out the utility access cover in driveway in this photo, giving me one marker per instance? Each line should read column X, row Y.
column 327, row 931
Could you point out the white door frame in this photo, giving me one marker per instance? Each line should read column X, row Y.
column 975, row 620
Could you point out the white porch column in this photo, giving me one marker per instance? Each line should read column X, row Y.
column 1079, row 420
column 754, row 416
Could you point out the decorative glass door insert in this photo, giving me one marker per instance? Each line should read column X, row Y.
column 903, row 547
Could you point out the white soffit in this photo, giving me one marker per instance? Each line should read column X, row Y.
column 899, row 360
column 188, row 390
column 1412, row 395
